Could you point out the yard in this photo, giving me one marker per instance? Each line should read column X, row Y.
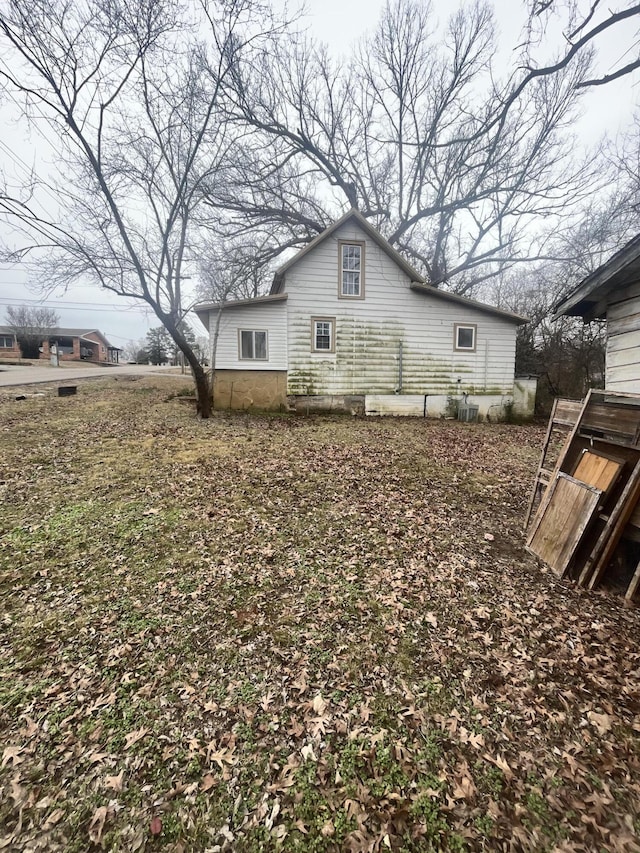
column 261, row 633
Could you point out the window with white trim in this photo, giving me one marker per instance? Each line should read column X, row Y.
column 253, row 345
column 352, row 270
column 6, row 342
column 323, row 334
column 464, row 337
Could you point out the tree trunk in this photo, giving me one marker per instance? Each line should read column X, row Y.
column 203, row 388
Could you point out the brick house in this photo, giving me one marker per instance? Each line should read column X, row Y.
column 72, row 345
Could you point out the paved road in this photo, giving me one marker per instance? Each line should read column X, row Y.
column 36, row 373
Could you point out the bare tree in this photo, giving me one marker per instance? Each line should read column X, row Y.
column 568, row 355
column 407, row 132
column 582, row 24
column 129, row 96
column 31, row 324
column 132, row 348
column 228, row 272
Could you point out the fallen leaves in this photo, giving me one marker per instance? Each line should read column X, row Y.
column 96, row 827
column 502, row 764
column 135, row 736
column 115, row 783
column 310, row 639
column 602, row 722
column 12, row 755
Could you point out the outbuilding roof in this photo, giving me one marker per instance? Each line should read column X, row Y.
column 589, row 298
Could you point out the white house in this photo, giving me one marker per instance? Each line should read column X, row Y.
column 349, row 324
column 612, row 292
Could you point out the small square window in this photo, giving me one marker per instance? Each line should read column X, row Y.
column 465, row 338
column 323, row 334
column 351, row 270
column 253, row 345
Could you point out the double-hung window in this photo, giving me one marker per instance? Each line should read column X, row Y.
column 351, row 270
column 253, row 345
column 323, row 334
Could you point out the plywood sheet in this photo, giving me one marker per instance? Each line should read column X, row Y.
column 562, row 520
column 597, row 470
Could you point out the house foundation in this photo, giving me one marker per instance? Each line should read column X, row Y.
column 250, row 389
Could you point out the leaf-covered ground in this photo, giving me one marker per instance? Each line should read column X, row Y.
column 276, row 633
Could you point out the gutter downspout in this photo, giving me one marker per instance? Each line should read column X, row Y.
column 398, row 389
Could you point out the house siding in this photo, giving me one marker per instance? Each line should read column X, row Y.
column 369, row 332
column 269, row 317
column 103, row 351
column 623, row 341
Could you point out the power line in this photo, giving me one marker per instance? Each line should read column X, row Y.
column 73, row 303
column 75, row 308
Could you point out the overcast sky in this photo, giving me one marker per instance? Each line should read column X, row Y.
column 339, row 23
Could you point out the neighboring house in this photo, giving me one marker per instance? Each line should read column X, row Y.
column 612, row 292
column 9, row 347
column 71, row 344
column 349, row 324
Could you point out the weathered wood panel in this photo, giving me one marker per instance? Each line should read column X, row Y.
column 566, row 412
column 628, row 322
column 569, row 508
column 613, row 530
column 626, row 378
column 598, row 471
column 623, row 357
column 625, row 341
column 620, row 301
column 611, row 418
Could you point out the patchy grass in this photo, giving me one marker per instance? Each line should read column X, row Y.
column 269, row 633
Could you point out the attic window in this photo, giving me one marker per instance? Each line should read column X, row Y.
column 464, row 338
column 351, row 270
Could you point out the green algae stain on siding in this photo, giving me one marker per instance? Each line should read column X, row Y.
column 365, row 358
column 367, row 361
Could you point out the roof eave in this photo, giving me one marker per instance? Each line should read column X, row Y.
column 203, row 310
column 429, row 290
column 577, row 303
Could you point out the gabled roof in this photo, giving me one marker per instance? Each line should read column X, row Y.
column 418, row 283
column 589, row 298
column 370, row 231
